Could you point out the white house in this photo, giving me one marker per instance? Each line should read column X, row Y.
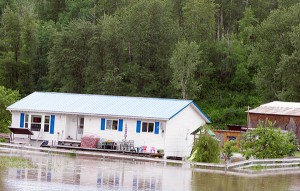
column 153, row 122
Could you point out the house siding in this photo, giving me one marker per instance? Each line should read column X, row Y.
column 92, row 127
column 179, row 141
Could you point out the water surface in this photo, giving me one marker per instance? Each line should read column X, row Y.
column 64, row 172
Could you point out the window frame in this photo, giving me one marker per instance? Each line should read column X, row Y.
column 26, row 121
column 29, row 122
column 111, row 124
column 33, row 123
column 47, row 123
column 147, row 127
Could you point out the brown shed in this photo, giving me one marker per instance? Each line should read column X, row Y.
column 286, row 115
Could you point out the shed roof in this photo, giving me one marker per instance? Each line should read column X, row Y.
column 104, row 105
column 278, row 108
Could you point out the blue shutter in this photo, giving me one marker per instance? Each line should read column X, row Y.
column 120, row 125
column 102, row 124
column 52, row 122
column 156, row 128
column 138, row 126
column 22, row 120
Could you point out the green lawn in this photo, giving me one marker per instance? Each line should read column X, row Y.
column 297, row 154
column 15, row 162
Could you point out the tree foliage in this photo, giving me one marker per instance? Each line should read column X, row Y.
column 184, row 62
column 7, row 97
column 206, row 149
column 229, row 148
column 240, row 53
column 266, row 141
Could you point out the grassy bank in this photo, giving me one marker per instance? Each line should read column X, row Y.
column 15, row 162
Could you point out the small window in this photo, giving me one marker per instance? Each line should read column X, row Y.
column 46, row 123
column 26, row 120
column 231, row 138
column 147, row 127
column 36, row 122
column 112, row 124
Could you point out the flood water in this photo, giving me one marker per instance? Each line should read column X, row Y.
column 62, row 172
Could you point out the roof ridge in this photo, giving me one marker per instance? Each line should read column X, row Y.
column 103, row 95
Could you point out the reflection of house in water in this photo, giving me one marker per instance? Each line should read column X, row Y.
column 286, row 115
column 86, row 171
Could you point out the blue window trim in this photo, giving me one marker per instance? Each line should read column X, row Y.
column 52, row 123
column 22, row 120
column 120, row 125
column 102, row 128
column 156, row 127
column 138, row 126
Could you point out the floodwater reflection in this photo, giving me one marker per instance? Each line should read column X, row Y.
column 62, row 172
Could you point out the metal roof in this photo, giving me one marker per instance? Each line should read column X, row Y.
column 104, row 105
column 278, row 108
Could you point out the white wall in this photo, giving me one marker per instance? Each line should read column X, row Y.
column 179, row 141
column 92, row 125
column 59, row 126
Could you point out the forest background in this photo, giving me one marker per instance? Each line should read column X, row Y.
column 226, row 55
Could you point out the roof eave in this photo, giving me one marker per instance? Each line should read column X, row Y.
column 202, row 114
column 90, row 114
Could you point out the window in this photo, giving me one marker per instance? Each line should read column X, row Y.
column 46, row 123
column 36, row 122
column 147, row 127
column 112, row 124
column 26, row 120
column 81, row 125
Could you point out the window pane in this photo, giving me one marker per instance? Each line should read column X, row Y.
column 47, row 119
column 26, row 118
column 36, row 119
column 26, row 125
column 81, row 121
column 108, row 124
column 151, row 127
column 35, row 127
column 115, row 125
column 46, row 128
column 144, row 127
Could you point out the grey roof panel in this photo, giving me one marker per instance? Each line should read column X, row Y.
column 278, row 108
column 103, row 105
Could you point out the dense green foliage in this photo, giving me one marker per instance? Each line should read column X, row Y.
column 229, row 148
column 266, row 141
column 226, row 55
column 206, row 149
column 7, row 97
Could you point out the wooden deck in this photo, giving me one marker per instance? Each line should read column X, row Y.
column 123, row 152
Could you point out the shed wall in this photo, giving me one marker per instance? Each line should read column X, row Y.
column 283, row 121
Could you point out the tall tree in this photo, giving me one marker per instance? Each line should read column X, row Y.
column 11, row 47
column 271, row 43
column 199, row 20
column 69, row 56
column 149, row 38
column 183, row 63
column 289, row 69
